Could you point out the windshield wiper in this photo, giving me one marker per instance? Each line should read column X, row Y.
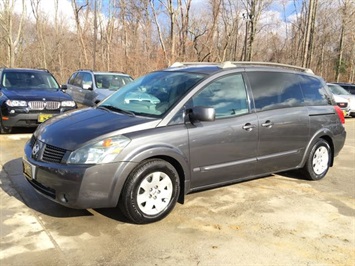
column 115, row 109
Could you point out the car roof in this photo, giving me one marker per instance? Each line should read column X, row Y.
column 103, row 72
column 344, row 83
column 209, row 68
column 24, row 70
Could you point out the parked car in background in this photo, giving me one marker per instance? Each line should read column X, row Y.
column 89, row 87
column 340, row 94
column 350, row 87
column 28, row 97
column 189, row 127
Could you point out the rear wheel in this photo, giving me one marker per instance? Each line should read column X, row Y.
column 150, row 192
column 318, row 162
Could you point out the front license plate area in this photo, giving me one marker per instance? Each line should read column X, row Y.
column 43, row 117
column 28, row 169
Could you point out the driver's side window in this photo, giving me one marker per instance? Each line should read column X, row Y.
column 227, row 95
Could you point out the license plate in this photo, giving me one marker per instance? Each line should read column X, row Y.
column 44, row 117
column 28, row 169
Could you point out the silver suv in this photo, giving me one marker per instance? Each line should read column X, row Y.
column 89, row 87
column 186, row 128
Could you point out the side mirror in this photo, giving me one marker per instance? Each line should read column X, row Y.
column 64, row 87
column 87, row 87
column 201, row 113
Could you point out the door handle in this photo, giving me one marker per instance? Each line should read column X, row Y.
column 267, row 123
column 249, row 127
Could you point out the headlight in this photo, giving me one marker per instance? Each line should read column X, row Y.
column 16, row 103
column 103, row 151
column 68, row 103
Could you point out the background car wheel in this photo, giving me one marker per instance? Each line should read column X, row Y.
column 5, row 130
column 150, row 192
column 318, row 162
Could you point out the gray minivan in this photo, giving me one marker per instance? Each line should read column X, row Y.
column 189, row 127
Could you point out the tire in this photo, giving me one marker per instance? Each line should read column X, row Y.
column 318, row 161
column 150, row 192
column 5, row 130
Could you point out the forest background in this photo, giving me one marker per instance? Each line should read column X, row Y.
column 139, row 36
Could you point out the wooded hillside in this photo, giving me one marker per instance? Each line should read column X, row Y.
column 138, row 36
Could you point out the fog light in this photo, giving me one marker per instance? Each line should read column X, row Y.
column 12, row 111
column 63, row 198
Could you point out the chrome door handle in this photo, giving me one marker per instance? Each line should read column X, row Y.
column 249, row 127
column 267, row 123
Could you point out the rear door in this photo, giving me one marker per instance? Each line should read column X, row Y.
column 283, row 120
column 223, row 150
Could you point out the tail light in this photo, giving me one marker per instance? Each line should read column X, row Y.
column 340, row 114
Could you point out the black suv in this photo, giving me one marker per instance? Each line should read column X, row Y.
column 186, row 128
column 350, row 87
column 89, row 87
column 28, row 97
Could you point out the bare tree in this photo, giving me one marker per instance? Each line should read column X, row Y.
column 253, row 11
column 81, row 29
column 11, row 35
column 308, row 44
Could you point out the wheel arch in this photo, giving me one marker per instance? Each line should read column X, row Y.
column 172, row 156
column 322, row 134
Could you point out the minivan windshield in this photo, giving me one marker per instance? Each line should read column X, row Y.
column 14, row 80
column 153, row 94
column 338, row 90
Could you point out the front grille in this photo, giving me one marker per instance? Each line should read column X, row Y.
column 53, row 154
column 41, row 105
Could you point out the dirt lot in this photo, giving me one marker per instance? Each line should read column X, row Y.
column 277, row 220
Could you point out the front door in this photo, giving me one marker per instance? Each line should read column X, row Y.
column 224, row 150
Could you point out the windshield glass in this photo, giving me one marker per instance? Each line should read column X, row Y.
column 338, row 90
column 111, row 81
column 154, row 94
column 29, row 80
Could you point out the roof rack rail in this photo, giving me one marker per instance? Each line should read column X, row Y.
column 229, row 64
column 303, row 69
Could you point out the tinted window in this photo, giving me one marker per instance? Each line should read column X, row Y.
column 227, row 95
column 274, row 90
column 313, row 91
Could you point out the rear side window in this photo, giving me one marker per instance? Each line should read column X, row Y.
column 273, row 90
column 313, row 91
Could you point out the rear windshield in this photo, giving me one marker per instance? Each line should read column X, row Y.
column 28, row 80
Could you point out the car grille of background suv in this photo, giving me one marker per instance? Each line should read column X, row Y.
column 41, row 105
column 53, row 154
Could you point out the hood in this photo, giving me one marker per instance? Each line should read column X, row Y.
column 73, row 129
column 36, row 94
column 103, row 93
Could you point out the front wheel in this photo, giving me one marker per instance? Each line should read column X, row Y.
column 150, row 192
column 318, row 162
column 5, row 130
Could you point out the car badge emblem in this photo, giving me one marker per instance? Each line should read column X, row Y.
column 35, row 149
column 44, row 99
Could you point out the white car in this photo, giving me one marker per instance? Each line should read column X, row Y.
column 340, row 94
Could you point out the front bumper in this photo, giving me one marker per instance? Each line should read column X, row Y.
column 21, row 118
column 77, row 186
